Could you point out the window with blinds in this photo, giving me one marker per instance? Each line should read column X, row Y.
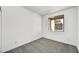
column 56, row 23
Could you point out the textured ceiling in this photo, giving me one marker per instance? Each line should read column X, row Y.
column 43, row 10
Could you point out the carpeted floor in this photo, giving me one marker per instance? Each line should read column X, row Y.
column 44, row 45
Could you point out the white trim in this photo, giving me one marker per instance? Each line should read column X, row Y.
column 0, row 30
column 3, row 27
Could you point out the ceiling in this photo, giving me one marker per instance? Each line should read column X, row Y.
column 43, row 10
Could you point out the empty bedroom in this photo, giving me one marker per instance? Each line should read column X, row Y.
column 39, row 29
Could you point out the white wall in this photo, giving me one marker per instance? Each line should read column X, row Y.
column 20, row 26
column 78, row 31
column 69, row 35
column 0, row 30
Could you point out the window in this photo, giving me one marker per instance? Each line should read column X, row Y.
column 56, row 23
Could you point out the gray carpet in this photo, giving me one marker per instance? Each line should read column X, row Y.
column 44, row 45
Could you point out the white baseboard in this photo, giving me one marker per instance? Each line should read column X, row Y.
column 78, row 48
column 35, row 38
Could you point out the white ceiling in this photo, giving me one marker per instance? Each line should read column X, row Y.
column 43, row 10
